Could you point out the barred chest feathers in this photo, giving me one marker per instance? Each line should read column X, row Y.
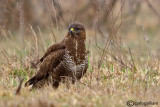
column 75, row 58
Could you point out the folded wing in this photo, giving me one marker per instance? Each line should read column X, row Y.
column 50, row 62
column 51, row 49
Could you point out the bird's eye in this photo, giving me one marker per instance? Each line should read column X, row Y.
column 77, row 28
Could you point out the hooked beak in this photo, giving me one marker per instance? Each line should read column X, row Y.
column 71, row 30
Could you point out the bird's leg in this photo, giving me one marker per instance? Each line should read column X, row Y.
column 55, row 84
column 73, row 80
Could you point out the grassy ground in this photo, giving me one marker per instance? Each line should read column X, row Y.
column 119, row 70
column 111, row 84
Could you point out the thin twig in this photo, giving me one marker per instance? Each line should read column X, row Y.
column 19, row 86
column 153, row 9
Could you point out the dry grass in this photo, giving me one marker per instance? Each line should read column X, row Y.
column 111, row 84
column 121, row 68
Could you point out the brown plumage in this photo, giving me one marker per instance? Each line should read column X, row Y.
column 65, row 59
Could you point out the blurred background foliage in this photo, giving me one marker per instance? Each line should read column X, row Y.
column 122, row 38
column 15, row 14
column 130, row 19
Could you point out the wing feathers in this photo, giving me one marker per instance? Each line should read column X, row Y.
column 47, row 66
column 51, row 49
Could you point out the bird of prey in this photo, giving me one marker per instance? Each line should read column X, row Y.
column 66, row 59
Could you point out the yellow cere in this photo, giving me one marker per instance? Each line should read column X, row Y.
column 72, row 29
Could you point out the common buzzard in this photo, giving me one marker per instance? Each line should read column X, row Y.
column 67, row 59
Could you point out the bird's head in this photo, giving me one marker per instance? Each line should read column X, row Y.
column 77, row 30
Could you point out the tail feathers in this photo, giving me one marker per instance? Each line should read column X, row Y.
column 31, row 81
column 35, row 79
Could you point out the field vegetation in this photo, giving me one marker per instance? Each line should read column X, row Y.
column 123, row 39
